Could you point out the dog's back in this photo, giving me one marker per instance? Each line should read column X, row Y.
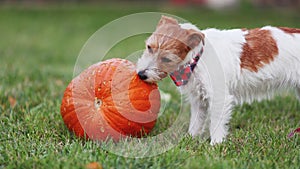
column 259, row 61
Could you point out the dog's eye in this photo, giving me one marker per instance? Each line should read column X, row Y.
column 165, row 60
column 149, row 49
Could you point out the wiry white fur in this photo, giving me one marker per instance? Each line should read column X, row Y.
column 240, row 85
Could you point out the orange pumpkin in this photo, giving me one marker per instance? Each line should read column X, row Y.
column 109, row 100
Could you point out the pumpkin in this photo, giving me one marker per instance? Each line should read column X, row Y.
column 109, row 100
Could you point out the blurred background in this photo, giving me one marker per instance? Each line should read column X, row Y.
column 215, row 4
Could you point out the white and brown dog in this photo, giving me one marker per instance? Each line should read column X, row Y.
column 253, row 63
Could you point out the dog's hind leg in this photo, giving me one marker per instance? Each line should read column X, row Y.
column 219, row 118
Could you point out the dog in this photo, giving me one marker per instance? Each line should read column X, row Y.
column 251, row 64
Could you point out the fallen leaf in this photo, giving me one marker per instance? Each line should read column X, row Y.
column 294, row 132
column 94, row 165
column 12, row 101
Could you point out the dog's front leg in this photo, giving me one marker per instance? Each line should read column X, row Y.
column 198, row 117
column 219, row 118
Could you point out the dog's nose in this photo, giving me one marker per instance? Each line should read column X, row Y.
column 142, row 75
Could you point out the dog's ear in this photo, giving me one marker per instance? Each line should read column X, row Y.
column 166, row 20
column 194, row 38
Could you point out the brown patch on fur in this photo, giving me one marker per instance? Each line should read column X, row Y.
column 260, row 49
column 289, row 30
column 169, row 38
column 166, row 20
column 169, row 44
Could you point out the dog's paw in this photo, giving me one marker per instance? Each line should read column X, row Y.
column 217, row 139
column 215, row 142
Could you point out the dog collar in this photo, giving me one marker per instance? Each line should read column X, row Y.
column 182, row 75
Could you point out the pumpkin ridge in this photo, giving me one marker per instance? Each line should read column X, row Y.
column 116, row 121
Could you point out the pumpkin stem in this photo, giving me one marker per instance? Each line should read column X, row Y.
column 97, row 103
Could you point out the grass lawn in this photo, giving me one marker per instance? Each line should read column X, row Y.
column 38, row 51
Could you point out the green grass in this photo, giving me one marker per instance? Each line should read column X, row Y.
column 38, row 50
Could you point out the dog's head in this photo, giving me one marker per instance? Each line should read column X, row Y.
column 166, row 49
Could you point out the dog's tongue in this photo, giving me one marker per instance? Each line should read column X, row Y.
column 294, row 132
